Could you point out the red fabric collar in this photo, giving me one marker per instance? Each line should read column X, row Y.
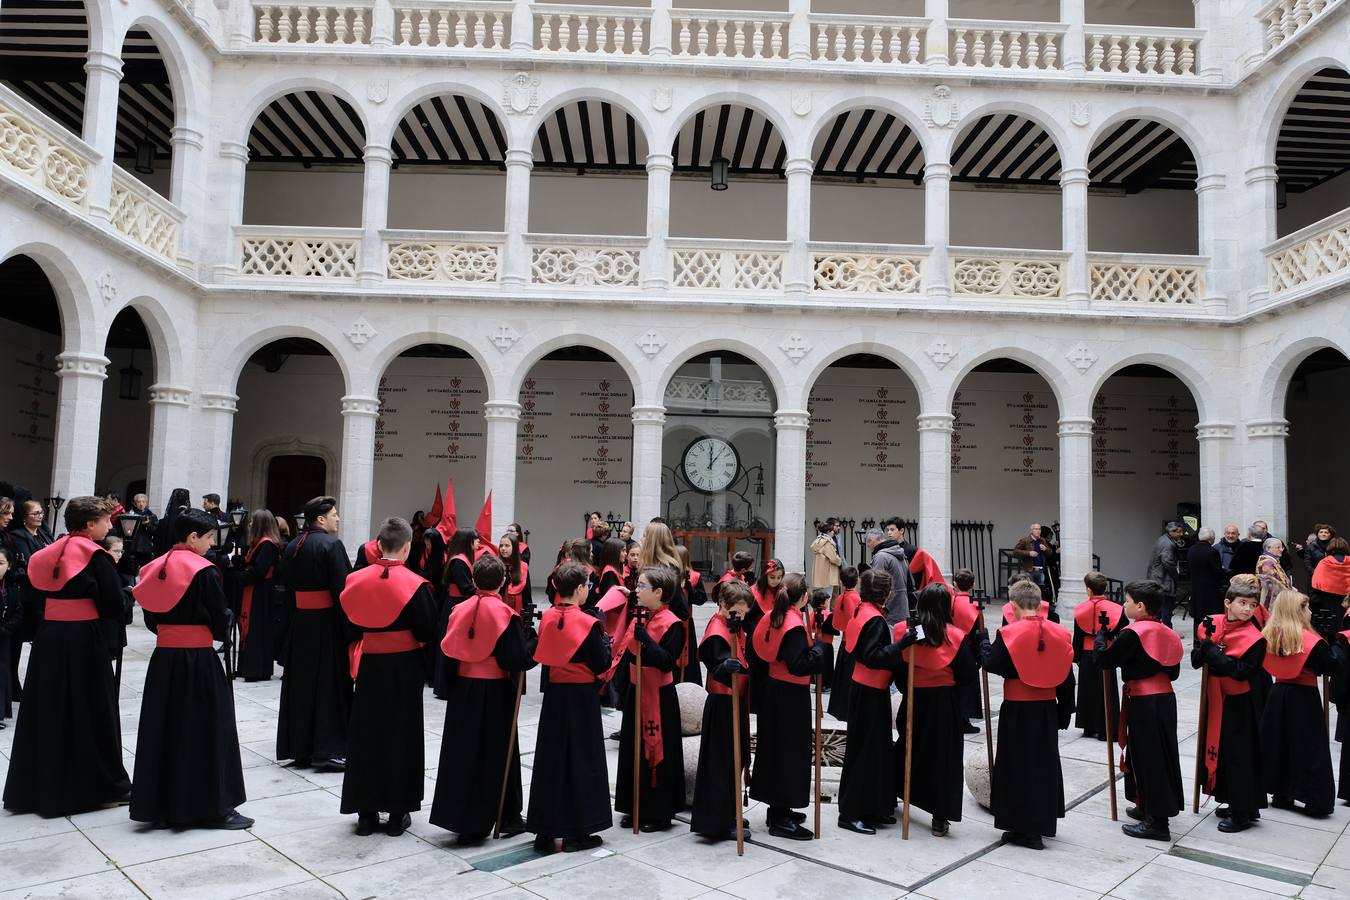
column 1085, row 614
column 768, row 639
column 474, row 627
column 374, row 596
column 865, row 613
column 165, row 580
column 1236, row 637
column 1287, row 667
column 562, row 629
column 929, row 657
column 1162, row 644
column 1332, row 576
column 1041, row 651
column 254, row 549
column 55, row 564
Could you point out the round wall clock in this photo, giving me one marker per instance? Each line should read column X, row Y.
column 710, row 464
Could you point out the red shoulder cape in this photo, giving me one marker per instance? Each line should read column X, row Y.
column 374, row 596
column 1162, row 644
column 866, row 613
column 925, row 569
column 768, row 639
column 1237, row 637
column 764, row 601
column 51, row 567
column 1009, row 615
column 1332, row 576
column 965, row 611
column 845, row 608
column 1287, row 667
column 932, row 657
column 1041, row 651
column 474, row 626
column 562, row 629
column 165, row 579
column 1085, row 614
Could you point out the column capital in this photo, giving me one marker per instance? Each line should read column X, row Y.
column 1210, row 181
column 660, row 162
column 1075, row 175
column 377, row 153
column 942, row 422
column 518, row 157
column 1257, row 174
column 937, row 171
column 1076, row 426
column 799, row 166
column 649, row 415
column 1268, row 428
column 501, row 411
column 791, row 420
column 170, row 395
column 182, row 136
column 99, row 61
column 235, row 150
column 356, row 405
column 220, row 401
column 1214, row 431
column 81, row 365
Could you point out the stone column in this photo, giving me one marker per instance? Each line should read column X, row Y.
column 1075, row 507
column 79, row 401
column 171, row 449
column 1214, row 51
column 1074, row 186
column 1072, row 13
column 1217, row 507
column 516, row 255
column 522, row 30
column 225, row 209
column 799, row 31
column 503, row 417
column 1267, row 477
column 1219, row 274
column 1259, row 228
column 656, row 274
column 935, row 47
column 382, row 27
column 188, row 190
column 937, row 182
column 649, row 425
column 358, row 468
column 797, row 277
column 374, row 213
column 215, row 427
column 103, row 79
column 789, row 491
column 935, row 486
column 660, row 37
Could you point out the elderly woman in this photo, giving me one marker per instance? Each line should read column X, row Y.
column 1273, row 576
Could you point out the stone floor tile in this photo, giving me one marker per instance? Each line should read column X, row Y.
column 109, row 885
column 1084, row 867
column 990, row 882
column 337, row 848
column 51, row 858
column 709, row 863
column 1334, row 877
column 1296, row 844
column 433, row 875
column 1099, row 833
column 221, row 874
column 305, row 890
column 273, row 781
column 802, row 880
column 1228, row 875
column 21, row 827
column 615, row 878
column 128, row 843
column 293, row 812
column 1159, row 882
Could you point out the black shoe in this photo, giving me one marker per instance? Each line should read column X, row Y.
column 1137, row 814
column 625, row 821
column 366, row 823
column 470, row 840
column 337, row 763
column 1147, row 830
column 857, row 826
column 578, row 845
column 1317, row 812
column 941, row 827
column 881, row 820
column 970, row 728
column 1224, row 812
column 303, row 762
column 1235, row 823
column 545, row 844
column 398, row 824
column 795, row 816
column 1029, row 841
column 232, row 821
column 1282, row 803
column 653, row 827
column 791, row 830
column 513, row 827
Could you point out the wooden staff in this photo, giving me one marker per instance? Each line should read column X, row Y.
column 510, row 749
column 1208, row 627
column 1110, row 744
column 818, row 756
column 1326, row 702
column 736, row 761
column 988, row 713
column 909, row 739
column 637, row 727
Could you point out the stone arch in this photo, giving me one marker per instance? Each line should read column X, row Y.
column 537, row 352
column 273, row 446
column 791, row 137
column 755, row 354
column 382, row 127
column 566, row 98
column 907, row 366
column 240, row 354
column 1052, row 374
column 166, row 344
column 1063, row 141
column 1281, row 97
column 1170, row 359
column 1178, row 124
column 1274, row 386
column 880, row 103
column 405, row 342
column 74, row 299
column 256, row 99
column 181, row 83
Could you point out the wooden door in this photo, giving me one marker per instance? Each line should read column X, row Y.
column 292, row 481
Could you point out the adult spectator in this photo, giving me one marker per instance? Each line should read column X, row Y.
column 1035, row 553
column 1207, row 576
column 1227, row 546
column 1315, row 547
column 889, row 556
column 1163, row 567
column 825, row 556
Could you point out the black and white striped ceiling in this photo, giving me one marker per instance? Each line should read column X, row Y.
column 1314, row 144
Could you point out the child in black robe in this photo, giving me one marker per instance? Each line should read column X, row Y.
column 188, row 771
column 716, row 803
column 1295, row 747
column 1091, row 690
column 1340, row 695
column 1233, row 648
column 967, row 614
column 659, row 638
column 1148, row 654
column 569, row 793
column 845, row 607
column 259, row 616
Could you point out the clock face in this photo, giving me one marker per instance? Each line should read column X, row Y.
column 711, row 464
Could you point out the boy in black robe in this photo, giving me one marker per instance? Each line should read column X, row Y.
column 316, row 686
column 67, row 754
column 1092, row 716
column 188, row 771
column 716, row 802
column 1148, row 654
column 1035, row 658
column 393, row 613
column 569, row 793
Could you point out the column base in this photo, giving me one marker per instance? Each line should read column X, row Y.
column 656, row 284
column 1077, row 299
column 515, row 281
column 369, row 278
column 798, row 290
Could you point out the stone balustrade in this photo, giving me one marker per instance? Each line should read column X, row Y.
column 40, row 153
column 1285, row 18
column 321, row 24
column 725, row 34
column 989, row 44
column 144, row 216
column 888, row 269
column 715, row 265
column 1311, row 256
column 1146, row 278
column 584, row 260
column 1134, row 51
column 1007, row 274
column 458, row 258
column 880, row 40
column 598, row 30
column 484, row 25
column 288, row 252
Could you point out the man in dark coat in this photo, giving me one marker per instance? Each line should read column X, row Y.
column 1207, row 576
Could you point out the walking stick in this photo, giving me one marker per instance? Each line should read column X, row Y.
column 1208, row 626
column 734, row 626
column 1326, row 702
column 988, row 713
column 818, row 754
column 909, row 737
column 510, row 749
column 1105, row 622
column 637, row 727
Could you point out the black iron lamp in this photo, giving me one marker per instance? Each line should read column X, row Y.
column 129, row 382
column 720, row 166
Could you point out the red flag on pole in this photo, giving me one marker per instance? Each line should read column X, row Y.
column 447, row 524
column 484, row 528
column 433, row 515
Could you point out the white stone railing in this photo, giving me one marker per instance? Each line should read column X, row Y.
column 483, row 25
column 863, row 269
column 988, row 44
column 38, row 151
column 1319, row 252
column 144, row 216
column 1007, row 274
column 450, row 258
column 1125, row 51
column 585, row 260
column 334, row 22
column 725, row 34
column 867, row 39
column 1146, row 278
column 1285, row 18
column 283, row 251
column 716, row 265
column 600, row 30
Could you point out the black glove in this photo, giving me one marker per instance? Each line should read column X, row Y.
column 909, row 638
column 641, row 636
column 729, row 667
column 1099, row 642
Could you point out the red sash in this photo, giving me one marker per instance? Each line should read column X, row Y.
column 515, row 591
column 767, row 640
column 55, row 564
column 965, row 611
column 562, row 631
column 472, row 632
column 62, row 609
column 313, row 600
column 1290, row 669
column 451, row 588
column 1010, row 614
column 865, row 675
column 933, row 663
column 165, row 579
column 1235, row 638
column 246, row 596
column 182, row 637
column 717, row 627
column 652, row 682
column 377, row 642
column 1042, row 653
column 1085, row 616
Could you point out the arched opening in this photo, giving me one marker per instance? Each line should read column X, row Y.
column 1141, row 193
column 306, row 163
column 30, row 340
column 124, row 422
column 868, row 180
column 718, row 459
column 279, row 442
column 1005, row 185
column 1312, row 154
column 1005, row 463
column 1316, row 392
column 430, row 430
column 862, row 449
column 43, row 48
column 1145, row 468
column 145, row 113
column 754, row 205
column 586, row 149
column 573, row 445
column 449, row 156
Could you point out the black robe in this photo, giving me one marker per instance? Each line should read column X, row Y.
column 187, row 747
column 67, row 751
column 1238, row 781
column 1152, row 766
column 867, row 784
column 715, row 802
column 1027, row 786
column 460, row 575
column 937, row 773
column 257, row 651
column 785, row 739
column 23, row 546
column 972, row 701
column 663, row 795
column 569, row 788
column 841, row 685
column 473, row 743
column 1340, row 695
column 385, row 743
column 1295, row 746
column 1091, row 692
column 316, row 686
column 695, row 595
column 11, row 617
